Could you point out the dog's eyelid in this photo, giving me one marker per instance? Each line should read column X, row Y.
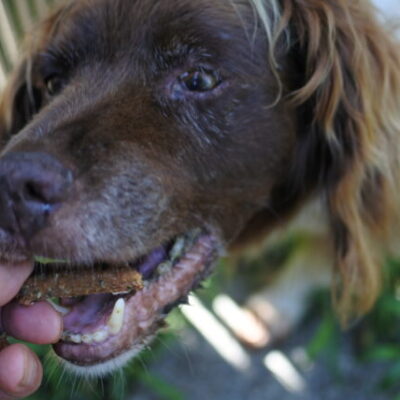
column 49, row 57
column 48, row 72
column 200, row 79
column 54, row 71
column 54, row 61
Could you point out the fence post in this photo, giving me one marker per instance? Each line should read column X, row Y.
column 7, row 36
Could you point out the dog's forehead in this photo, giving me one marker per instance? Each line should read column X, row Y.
column 124, row 27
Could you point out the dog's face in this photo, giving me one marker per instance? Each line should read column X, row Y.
column 155, row 140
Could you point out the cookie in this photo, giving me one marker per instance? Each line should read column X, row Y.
column 46, row 283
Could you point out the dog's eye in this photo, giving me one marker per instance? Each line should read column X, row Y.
column 200, row 80
column 54, row 84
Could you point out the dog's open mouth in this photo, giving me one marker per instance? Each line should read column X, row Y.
column 101, row 327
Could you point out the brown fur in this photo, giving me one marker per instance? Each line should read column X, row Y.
column 308, row 107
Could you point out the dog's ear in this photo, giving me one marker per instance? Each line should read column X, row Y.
column 350, row 98
column 20, row 101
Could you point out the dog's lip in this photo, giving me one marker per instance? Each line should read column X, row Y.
column 144, row 311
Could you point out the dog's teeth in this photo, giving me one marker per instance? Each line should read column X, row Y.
column 87, row 339
column 100, row 336
column 117, row 317
column 75, row 338
column 177, row 249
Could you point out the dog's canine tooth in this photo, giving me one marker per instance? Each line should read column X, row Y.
column 117, row 317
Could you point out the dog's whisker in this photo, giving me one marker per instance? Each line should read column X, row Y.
column 160, row 146
column 120, row 381
column 51, row 366
column 166, row 345
column 143, row 364
column 75, row 386
column 61, row 376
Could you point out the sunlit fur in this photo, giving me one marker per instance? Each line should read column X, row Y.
column 353, row 85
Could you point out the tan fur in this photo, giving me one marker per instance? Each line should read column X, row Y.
column 353, row 81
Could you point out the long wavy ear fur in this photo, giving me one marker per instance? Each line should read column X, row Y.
column 351, row 93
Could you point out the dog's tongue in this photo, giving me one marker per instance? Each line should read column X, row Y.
column 89, row 313
column 103, row 328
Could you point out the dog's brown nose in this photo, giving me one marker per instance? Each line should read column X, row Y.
column 32, row 186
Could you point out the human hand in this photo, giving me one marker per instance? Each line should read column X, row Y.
column 20, row 368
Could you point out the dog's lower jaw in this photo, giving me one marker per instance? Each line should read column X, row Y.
column 107, row 367
column 143, row 313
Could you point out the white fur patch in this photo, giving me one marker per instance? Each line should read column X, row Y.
column 105, row 368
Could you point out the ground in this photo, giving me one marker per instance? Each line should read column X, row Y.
column 197, row 371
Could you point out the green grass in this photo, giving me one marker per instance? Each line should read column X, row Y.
column 376, row 338
column 61, row 385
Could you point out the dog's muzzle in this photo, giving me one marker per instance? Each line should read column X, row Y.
column 32, row 186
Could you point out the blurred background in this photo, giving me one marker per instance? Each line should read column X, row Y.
column 199, row 357
column 16, row 18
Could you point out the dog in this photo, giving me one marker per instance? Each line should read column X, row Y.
column 162, row 134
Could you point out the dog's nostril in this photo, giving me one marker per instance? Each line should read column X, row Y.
column 32, row 186
column 32, row 192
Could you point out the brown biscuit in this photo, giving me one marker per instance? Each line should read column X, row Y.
column 73, row 283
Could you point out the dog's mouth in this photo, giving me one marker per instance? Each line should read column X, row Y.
column 101, row 328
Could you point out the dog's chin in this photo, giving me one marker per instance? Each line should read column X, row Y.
column 102, row 332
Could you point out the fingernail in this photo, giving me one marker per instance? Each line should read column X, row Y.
column 31, row 372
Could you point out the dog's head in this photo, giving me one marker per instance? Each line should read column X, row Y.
column 157, row 133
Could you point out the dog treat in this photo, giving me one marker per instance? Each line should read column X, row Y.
column 3, row 341
column 45, row 283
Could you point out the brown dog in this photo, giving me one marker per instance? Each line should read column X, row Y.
column 159, row 133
